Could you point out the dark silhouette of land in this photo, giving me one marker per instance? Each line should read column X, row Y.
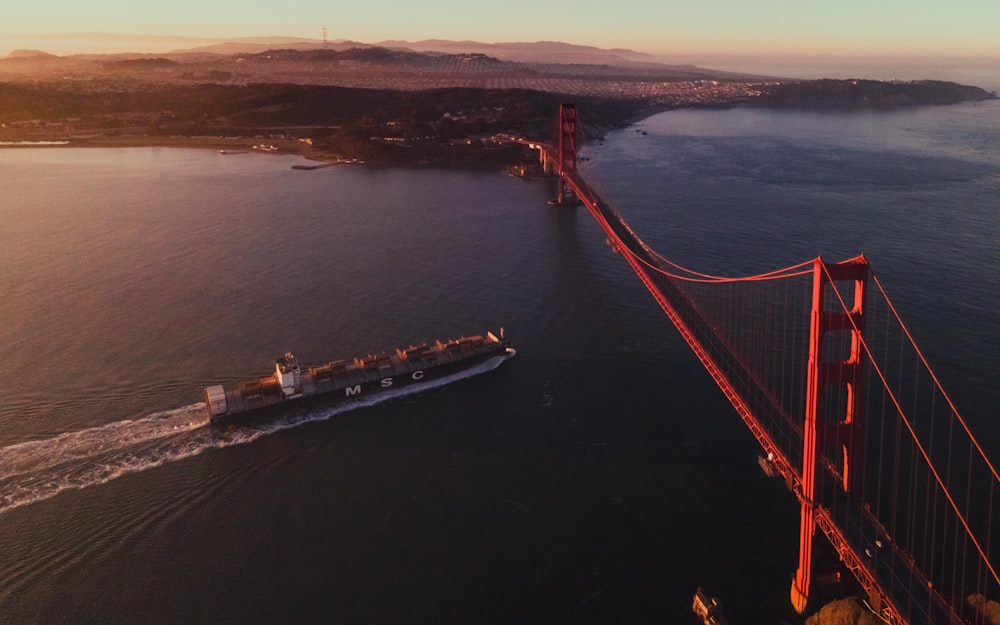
column 389, row 105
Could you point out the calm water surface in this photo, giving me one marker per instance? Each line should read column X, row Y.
column 598, row 477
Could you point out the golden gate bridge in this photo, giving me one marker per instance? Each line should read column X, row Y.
column 821, row 368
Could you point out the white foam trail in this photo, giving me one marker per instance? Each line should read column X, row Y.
column 35, row 456
column 38, row 470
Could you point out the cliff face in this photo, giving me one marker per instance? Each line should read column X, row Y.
column 989, row 610
column 844, row 612
column 874, row 94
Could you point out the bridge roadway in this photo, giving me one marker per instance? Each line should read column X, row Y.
column 906, row 594
column 905, row 589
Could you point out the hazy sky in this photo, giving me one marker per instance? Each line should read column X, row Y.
column 885, row 28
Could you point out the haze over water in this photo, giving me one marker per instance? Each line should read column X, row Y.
column 598, row 477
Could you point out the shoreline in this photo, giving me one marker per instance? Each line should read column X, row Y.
column 321, row 157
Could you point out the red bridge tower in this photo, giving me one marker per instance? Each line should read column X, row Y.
column 829, row 435
column 567, row 152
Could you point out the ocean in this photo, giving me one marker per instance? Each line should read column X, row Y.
column 597, row 477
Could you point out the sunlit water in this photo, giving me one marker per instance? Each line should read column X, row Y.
column 597, row 477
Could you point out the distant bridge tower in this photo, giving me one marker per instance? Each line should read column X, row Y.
column 325, row 42
column 567, row 151
column 838, row 437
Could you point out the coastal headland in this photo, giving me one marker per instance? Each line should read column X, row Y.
column 380, row 105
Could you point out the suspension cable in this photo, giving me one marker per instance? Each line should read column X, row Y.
column 951, row 405
column 800, row 269
column 910, row 426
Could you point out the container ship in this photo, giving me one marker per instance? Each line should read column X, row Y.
column 708, row 609
column 341, row 382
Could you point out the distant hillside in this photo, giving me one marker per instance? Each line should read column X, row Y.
column 544, row 57
column 35, row 55
column 403, row 69
column 532, row 52
column 874, row 94
column 528, row 52
column 292, row 62
column 254, row 45
column 376, row 56
column 142, row 64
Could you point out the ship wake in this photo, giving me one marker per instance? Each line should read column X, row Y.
column 38, row 470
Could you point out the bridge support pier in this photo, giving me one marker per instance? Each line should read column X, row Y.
column 803, row 574
column 823, row 431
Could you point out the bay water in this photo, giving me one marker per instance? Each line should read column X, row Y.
column 599, row 476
